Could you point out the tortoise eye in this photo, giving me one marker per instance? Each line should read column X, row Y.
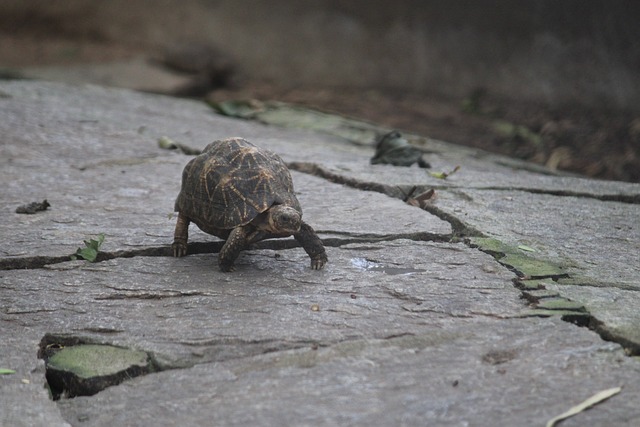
column 286, row 219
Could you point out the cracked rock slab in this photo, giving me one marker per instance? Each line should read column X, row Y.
column 333, row 209
column 594, row 242
column 392, row 332
column 134, row 210
column 590, row 238
column 474, row 173
column 102, row 171
column 185, row 311
column 468, row 374
column 402, row 327
column 554, row 226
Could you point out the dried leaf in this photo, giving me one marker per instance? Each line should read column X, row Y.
column 244, row 109
column 167, row 143
column 593, row 400
column 422, row 200
column 444, row 175
column 33, row 207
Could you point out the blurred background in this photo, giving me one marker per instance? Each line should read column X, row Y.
column 553, row 82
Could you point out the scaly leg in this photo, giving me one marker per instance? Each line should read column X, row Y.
column 235, row 243
column 180, row 236
column 312, row 245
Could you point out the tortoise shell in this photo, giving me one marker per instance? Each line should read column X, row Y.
column 231, row 183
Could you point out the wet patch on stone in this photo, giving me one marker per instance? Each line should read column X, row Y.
column 365, row 264
column 75, row 368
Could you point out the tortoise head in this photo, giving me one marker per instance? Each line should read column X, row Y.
column 284, row 219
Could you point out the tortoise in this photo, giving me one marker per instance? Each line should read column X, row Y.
column 242, row 194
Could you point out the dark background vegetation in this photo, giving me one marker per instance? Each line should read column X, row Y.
column 554, row 82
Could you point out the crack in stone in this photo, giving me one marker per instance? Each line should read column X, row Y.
column 398, row 192
column 75, row 366
column 633, row 199
column 460, row 229
column 569, row 311
column 28, row 311
column 631, row 348
column 502, row 258
column 24, row 263
column 401, row 191
column 35, row 262
column 463, row 232
column 38, row 261
column 212, row 342
column 587, row 283
column 146, row 295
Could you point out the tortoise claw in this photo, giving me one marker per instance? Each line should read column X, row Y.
column 318, row 262
column 179, row 249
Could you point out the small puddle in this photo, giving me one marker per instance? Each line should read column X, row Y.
column 368, row 265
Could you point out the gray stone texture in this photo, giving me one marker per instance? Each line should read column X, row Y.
column 409, row 323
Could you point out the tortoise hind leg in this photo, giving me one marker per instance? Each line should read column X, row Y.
column 180, row 236
column 235, row 243
column 312, row 245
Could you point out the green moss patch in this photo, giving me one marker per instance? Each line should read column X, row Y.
column 84, row 370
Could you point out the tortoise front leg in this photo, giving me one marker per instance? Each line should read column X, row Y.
column 235, row 243
column 312, row 245
column 180, row 236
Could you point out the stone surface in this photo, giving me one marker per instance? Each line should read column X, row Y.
column 267, row 302
column 460, row 375
column 94, row 163
column 595, row 242
column 585, row 229
column 481, row 172
column 408, row 324
column 581, row 228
